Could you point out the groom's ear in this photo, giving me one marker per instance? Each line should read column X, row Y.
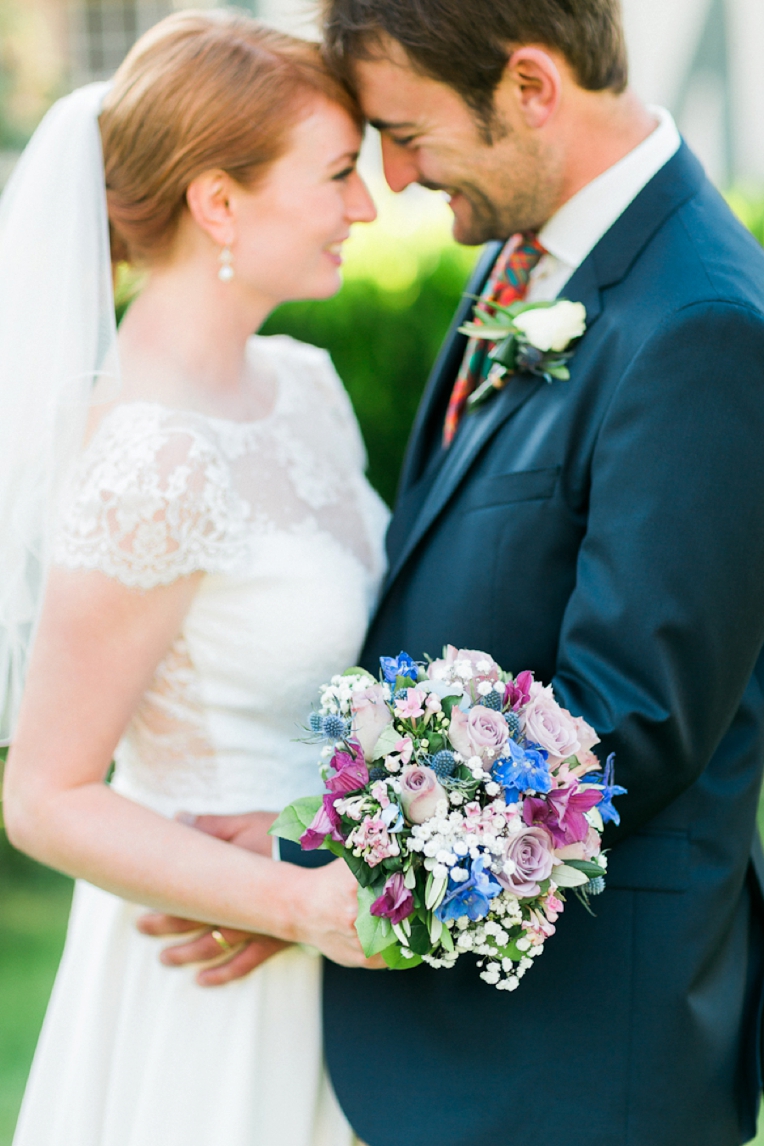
column 533, row 82
column 209, row 203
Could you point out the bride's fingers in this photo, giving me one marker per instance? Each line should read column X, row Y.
column 158, row 925
column 204, row 947
column 252, row 955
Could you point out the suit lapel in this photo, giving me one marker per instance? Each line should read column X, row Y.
column 428, row 424
column 608, row 264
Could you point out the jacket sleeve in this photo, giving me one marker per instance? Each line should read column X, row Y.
column 666, row 621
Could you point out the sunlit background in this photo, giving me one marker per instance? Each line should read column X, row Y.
column 699, row 58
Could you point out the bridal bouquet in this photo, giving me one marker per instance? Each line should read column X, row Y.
column 465, row 801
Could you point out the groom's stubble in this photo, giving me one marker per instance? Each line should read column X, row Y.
column 500, row 180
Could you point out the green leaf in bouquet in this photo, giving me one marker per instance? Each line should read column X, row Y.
column 360, row 869
column 405, row 682
column 295, row 819
column 586, row 867
column 386, row 743
column 446, row 941
column 358, row 671
column 374, row 931
column 420, row 938
column 397, row 961
column 436, row 743
column 436, row 929
column 335, row 847
column 566, row 875
column 448, row 703
column 409, row 877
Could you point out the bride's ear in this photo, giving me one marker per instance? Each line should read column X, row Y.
column 209, row 204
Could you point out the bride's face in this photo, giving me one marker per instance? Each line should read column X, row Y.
column 291, row 227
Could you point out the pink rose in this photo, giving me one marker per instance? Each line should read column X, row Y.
column 421, row 792
column 530, row 855
column 549, row 726
column 479, row 732
column 586, row 735
column 371, row 717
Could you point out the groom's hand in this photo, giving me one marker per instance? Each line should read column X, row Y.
column 248, row 951
column 249, row 831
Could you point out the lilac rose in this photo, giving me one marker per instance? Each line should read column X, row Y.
column 421, row 792
column 371, row 716
column 396, row 902
column 530, row 862
column 551, row 727
column 479, row 732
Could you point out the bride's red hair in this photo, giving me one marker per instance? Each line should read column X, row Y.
column 199, row 91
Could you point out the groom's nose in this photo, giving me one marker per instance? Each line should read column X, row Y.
column 400, row 165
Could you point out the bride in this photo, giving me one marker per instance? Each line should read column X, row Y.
column 196, row 510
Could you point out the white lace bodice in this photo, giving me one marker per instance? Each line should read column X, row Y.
column 279, row 516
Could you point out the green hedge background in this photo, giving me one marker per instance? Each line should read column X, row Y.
column 383, row 331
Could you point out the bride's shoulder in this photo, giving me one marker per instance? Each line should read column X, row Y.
column 151, row 498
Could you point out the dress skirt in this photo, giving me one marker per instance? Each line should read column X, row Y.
column 133, row 1053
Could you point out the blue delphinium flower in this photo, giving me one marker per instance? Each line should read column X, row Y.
column 524, row 770
column 402, row 665
column 609, row 792
column 472, row 897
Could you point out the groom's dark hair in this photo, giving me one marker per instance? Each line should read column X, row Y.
column 466, row 43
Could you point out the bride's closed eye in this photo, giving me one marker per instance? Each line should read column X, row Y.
column 344, row 175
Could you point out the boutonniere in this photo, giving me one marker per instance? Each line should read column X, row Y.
column 533, row 337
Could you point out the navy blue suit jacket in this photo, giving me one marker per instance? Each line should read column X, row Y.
column 608, row 533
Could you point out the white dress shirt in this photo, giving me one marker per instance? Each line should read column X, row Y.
column 574, row 231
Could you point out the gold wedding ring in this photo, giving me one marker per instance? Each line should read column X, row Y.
column 221, row 940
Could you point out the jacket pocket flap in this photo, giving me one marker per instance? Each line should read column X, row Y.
column 650, row 861
column 501, row 489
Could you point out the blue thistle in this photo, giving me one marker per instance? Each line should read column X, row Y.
column 316, row 722
column 377, row 773
column 595, row 886
column 513, row 723
column 443, row 764
column 334, row 727
column 400, row 694
column 492, row 700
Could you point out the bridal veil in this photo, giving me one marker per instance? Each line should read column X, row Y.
column 58, row 353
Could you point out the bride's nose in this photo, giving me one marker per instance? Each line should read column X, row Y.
column 359, row 205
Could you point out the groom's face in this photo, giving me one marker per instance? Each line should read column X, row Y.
column 431, row 137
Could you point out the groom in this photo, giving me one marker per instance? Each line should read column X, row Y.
column 606, row 532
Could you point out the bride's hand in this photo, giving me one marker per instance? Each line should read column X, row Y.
column 327, row 914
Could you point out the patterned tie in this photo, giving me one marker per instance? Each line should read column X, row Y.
column 506, row 284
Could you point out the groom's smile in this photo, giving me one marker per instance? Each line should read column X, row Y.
column 497, row 175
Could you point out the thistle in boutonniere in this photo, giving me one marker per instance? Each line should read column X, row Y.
column 533, row 337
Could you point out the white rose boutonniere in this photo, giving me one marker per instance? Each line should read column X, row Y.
column 532, row 338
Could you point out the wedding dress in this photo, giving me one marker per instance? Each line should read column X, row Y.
column 278, row 515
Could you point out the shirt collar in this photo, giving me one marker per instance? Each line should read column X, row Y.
column 574, row 231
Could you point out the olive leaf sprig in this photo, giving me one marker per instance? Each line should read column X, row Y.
column 527, row 340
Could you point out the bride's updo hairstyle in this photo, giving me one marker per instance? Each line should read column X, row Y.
column 200, row 91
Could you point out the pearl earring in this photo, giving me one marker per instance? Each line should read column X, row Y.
column 225, row 273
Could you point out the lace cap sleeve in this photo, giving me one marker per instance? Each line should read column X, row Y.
column 151, row 501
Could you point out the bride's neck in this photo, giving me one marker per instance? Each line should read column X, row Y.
column 186, row 333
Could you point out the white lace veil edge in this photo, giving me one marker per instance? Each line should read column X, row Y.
column 58, row 354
